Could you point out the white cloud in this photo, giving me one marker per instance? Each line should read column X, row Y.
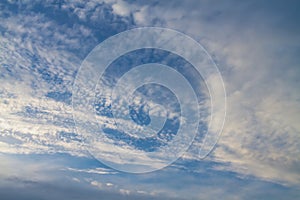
column 124, row 191
column 121, row 8
column 256, row 57
column 109, row 184
column 101, row 171
column 96, row 184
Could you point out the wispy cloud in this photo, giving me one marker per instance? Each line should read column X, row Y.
column 93, row 171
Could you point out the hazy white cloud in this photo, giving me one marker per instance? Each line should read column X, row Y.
column 256, row 52
column 101, row 171
column 96, row 184
column 121, row 8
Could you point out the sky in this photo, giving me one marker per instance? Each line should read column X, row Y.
column 62, row 136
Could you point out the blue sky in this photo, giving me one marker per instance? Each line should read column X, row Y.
column 256, row 46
